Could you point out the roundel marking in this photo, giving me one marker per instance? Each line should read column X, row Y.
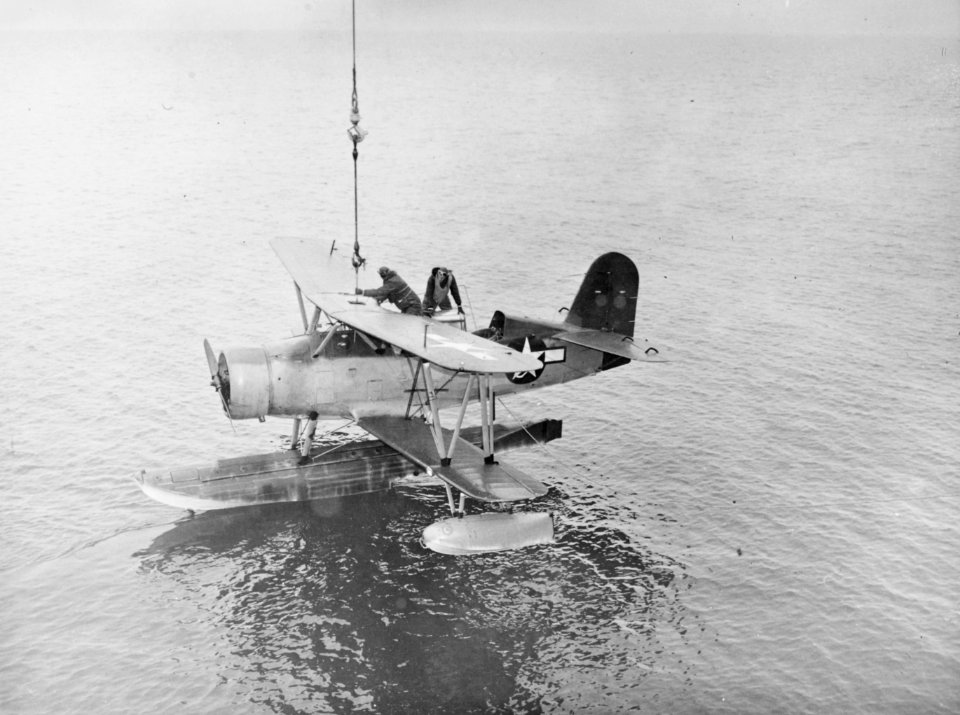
column 529, row 344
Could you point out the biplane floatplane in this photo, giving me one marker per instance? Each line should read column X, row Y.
column 394, row 374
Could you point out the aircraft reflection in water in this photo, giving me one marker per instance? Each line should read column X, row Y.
column 345, row 614
column 392, row 374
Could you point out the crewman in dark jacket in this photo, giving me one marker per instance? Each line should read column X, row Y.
column 396, row 290
column 440, row 285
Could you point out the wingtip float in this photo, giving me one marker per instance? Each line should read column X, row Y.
column 489, row 532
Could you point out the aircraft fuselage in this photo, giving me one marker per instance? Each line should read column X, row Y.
column 355, row 376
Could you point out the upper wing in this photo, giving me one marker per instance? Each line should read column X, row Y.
column 438, row 343
column 316, row 267
column 325, row 278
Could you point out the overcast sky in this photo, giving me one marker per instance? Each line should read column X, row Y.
column 941, row 17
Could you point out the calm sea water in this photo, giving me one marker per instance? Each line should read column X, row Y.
column 766, row 523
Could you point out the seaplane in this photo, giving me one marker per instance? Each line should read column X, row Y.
column 394, row 375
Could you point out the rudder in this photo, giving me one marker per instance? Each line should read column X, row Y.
column 607, row 299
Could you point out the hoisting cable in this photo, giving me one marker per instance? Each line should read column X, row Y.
column 356, row 136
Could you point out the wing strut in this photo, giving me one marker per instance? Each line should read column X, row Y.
column 445, row 451
column 486, row 419
column 303, row 308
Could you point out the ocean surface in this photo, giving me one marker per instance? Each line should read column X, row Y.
column 766, row 523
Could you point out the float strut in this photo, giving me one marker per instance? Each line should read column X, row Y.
column 308, row 438
column 295, row 435
column 453, row 509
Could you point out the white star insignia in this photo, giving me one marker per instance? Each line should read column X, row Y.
column 527, row 350
column 475, row 350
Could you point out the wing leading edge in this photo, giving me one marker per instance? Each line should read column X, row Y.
column 441, row 344
column 320, row 272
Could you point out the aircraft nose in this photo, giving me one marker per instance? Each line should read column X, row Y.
column 244, row 382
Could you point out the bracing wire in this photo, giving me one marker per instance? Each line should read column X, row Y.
column 473, row 316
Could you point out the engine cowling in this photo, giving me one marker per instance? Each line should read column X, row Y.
column 244, row 382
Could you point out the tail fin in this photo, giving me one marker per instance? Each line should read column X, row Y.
column 607, row 299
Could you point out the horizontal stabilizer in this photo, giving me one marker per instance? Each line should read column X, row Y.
column 467, row 470
column 613, row 343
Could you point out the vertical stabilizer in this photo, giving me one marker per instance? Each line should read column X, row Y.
column 607, row 299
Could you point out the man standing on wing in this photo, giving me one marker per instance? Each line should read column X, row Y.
column 396, row 290
column 440, row 285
